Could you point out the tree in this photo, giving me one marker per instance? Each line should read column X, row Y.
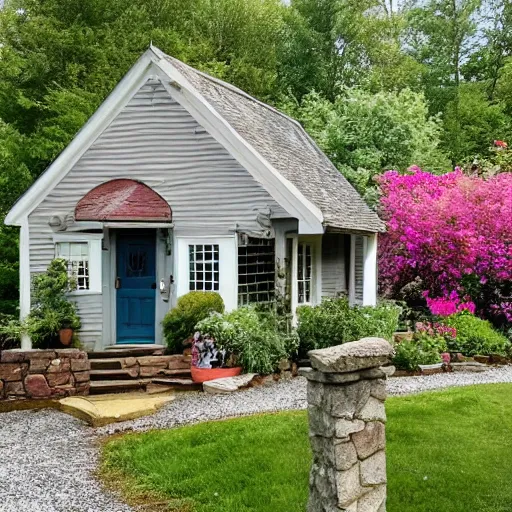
column 365, row 134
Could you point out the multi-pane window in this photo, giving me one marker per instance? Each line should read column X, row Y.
column 256, row 270
column 304, row 273
column 204, row 267
column 77, row 256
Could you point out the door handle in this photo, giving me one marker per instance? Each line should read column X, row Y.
column 118, row 283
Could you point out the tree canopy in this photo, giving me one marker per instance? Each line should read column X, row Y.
column 380, row 84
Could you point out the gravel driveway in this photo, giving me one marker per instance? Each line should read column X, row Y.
column 48, row 458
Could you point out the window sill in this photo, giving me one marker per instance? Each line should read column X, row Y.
column 78, row 293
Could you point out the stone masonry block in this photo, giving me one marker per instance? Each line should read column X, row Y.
column 343, row 428
column 37, row 387
column 349, row 357
column 157, row 361
column 13, row 371
column 374, row 410
column 373, row 469
column 58, row 379
column 345, row 455
column 80, row 365
column 378, row 389
column 347, row 401
column 373, row 501
column 348, row 486
column 82, row 377
column 370, row 440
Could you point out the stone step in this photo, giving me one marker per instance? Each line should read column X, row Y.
column 117, row 351
column 177, row 383
column 117, row 386
column 109, row 374
column 107, row 364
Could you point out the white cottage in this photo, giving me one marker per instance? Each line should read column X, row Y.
column 183, row 182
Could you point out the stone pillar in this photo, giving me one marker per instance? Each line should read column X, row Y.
column 346, row 394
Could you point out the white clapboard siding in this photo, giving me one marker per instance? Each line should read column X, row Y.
column 359, row 268
column 156, row 141
column 334, row 281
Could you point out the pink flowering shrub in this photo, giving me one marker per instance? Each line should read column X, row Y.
column 454, row 233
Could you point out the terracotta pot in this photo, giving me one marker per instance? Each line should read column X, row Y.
column 201, row 375
column 65, row 336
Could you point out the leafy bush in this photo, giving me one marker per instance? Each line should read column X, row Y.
column 51, row 310
column 251, row 337
column 475, row 336
column 334, row 321
column 452, row 232
column 179, row 323
column 410, row 354
column 10, row 332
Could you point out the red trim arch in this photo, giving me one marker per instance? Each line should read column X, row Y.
column 123, row 200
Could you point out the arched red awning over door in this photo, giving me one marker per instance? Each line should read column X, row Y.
column 123, row 200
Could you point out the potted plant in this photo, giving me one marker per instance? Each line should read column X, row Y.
column 53, row 318
column 209, row 362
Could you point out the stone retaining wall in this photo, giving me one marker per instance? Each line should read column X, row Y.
column 43, row 374
column 346, row 394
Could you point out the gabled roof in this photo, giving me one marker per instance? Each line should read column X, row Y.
column 285, row 144
column 274, row 148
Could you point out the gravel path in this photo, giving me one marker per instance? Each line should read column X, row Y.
column 49, row 458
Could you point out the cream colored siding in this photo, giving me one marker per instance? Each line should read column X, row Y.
column 334, row 281
column 156, row 141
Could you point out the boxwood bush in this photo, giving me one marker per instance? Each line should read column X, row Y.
column 179, row 323
column 334, row 321
column 475, row 336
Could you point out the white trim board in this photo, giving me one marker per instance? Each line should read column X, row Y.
column 150, row 63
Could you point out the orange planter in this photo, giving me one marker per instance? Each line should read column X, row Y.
column 201, row 375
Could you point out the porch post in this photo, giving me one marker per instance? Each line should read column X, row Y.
column 26, row 342
column 370, row 272
column 352, row 271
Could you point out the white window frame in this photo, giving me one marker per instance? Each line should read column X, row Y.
column 94, row 241
column 228, row 266
column 316, row 271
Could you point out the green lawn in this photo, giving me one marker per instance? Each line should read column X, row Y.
column 448, row 451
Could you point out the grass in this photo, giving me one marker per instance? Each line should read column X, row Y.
column 448, row 451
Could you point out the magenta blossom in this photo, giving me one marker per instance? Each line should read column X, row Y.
column 454, row 233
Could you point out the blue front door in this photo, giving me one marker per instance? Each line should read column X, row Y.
column 136, row 286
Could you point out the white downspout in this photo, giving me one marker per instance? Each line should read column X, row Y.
column 26, row 342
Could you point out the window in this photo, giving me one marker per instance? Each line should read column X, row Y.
column 204, row 267
column 77, row 256
column 256, row 270
column 304, row 273
column 83, row 252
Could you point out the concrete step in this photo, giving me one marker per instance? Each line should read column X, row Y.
column 106, row 364
column 117, row 374
column 117, row 386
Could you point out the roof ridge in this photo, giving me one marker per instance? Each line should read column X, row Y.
column 236, row 90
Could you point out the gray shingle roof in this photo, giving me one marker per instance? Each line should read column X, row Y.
column 287, row 147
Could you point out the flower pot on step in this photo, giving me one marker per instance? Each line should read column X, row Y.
column 66, row 336
column 201, row 375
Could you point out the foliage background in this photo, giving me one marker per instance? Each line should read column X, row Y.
column 380, row 84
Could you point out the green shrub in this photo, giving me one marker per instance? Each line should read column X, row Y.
column 475, row 336
column 334, row 321
column 251, row 337
column 51, row 310
column 10, row 332
column 410, row 354
column 179, row 323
